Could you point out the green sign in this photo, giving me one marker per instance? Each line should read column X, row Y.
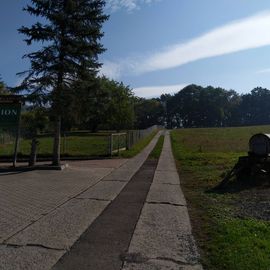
column 9, row 114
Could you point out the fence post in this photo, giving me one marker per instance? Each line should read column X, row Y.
column 127, row 140
column 111, row 145
column 118, row 144
column 64, row 143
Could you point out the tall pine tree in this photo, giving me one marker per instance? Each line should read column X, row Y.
column 70, row 34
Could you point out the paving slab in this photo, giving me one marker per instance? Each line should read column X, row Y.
column 166, row 177
column 120, row 175
column 26, row 197
column 159, row 264
column 162, row 193
column 98, row 163
column 166, row 164
column 35, row 258
column 163, row 231
column 62, row 227
column 103, row 190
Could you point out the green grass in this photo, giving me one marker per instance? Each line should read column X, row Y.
column 72, row 146
column 155, row 154
column 240, row 244
column 138, row 147
column 225, row 241
column 81, row 145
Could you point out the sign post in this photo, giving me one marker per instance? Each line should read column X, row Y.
column 10, row 115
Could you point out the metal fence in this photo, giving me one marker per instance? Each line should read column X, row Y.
column 81, row 144
column 124, row 141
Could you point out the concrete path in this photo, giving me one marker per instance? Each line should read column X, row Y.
column 163, row 238
column 105, row 242
column 116, row 214
column 43, row 213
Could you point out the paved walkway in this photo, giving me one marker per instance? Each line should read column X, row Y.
column 43, row 214
column 163, row 238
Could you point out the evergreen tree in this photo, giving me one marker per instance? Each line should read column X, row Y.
column 70, row 33
column 3, row 88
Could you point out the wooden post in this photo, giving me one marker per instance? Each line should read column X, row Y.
column 111, row 144
column 33, row 154
column 127, row 140
column 64, row 143
column 118, row 144
column 17, row 141
column 16, row 148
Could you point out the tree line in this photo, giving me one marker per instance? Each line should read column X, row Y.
column 197, row 106
column 113, row 106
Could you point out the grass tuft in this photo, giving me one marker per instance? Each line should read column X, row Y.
column 155, row 154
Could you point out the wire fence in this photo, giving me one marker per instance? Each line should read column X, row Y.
column 124, row 141
column 79, row 144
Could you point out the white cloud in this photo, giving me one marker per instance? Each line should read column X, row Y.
column 156, row 91
column 267, row 70
column 129, row 5
column 111, row 70
column 248, row 33
column 251, row 32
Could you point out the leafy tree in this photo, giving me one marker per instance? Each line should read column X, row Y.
column 118, row 107
column 196, row 106
column 107, row 104
column 254, row 107
column 148, row 112
column 89, row 114
column 70, row 35
column 3, row 88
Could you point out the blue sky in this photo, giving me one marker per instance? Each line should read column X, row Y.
column 159, row 46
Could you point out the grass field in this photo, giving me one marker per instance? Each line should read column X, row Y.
column 78, row 145
column 71, row 146
column 228, row 235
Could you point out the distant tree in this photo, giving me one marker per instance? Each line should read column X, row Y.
column 3, row 88
column 70, row 36
column 196, row 106
column 89, row 113
column 106, row 104
column 149, row 112
column 254, row 107
column 117, row 109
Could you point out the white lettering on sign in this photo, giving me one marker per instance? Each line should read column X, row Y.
column 8, row 112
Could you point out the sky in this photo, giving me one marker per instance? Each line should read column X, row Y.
column 160, row 46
